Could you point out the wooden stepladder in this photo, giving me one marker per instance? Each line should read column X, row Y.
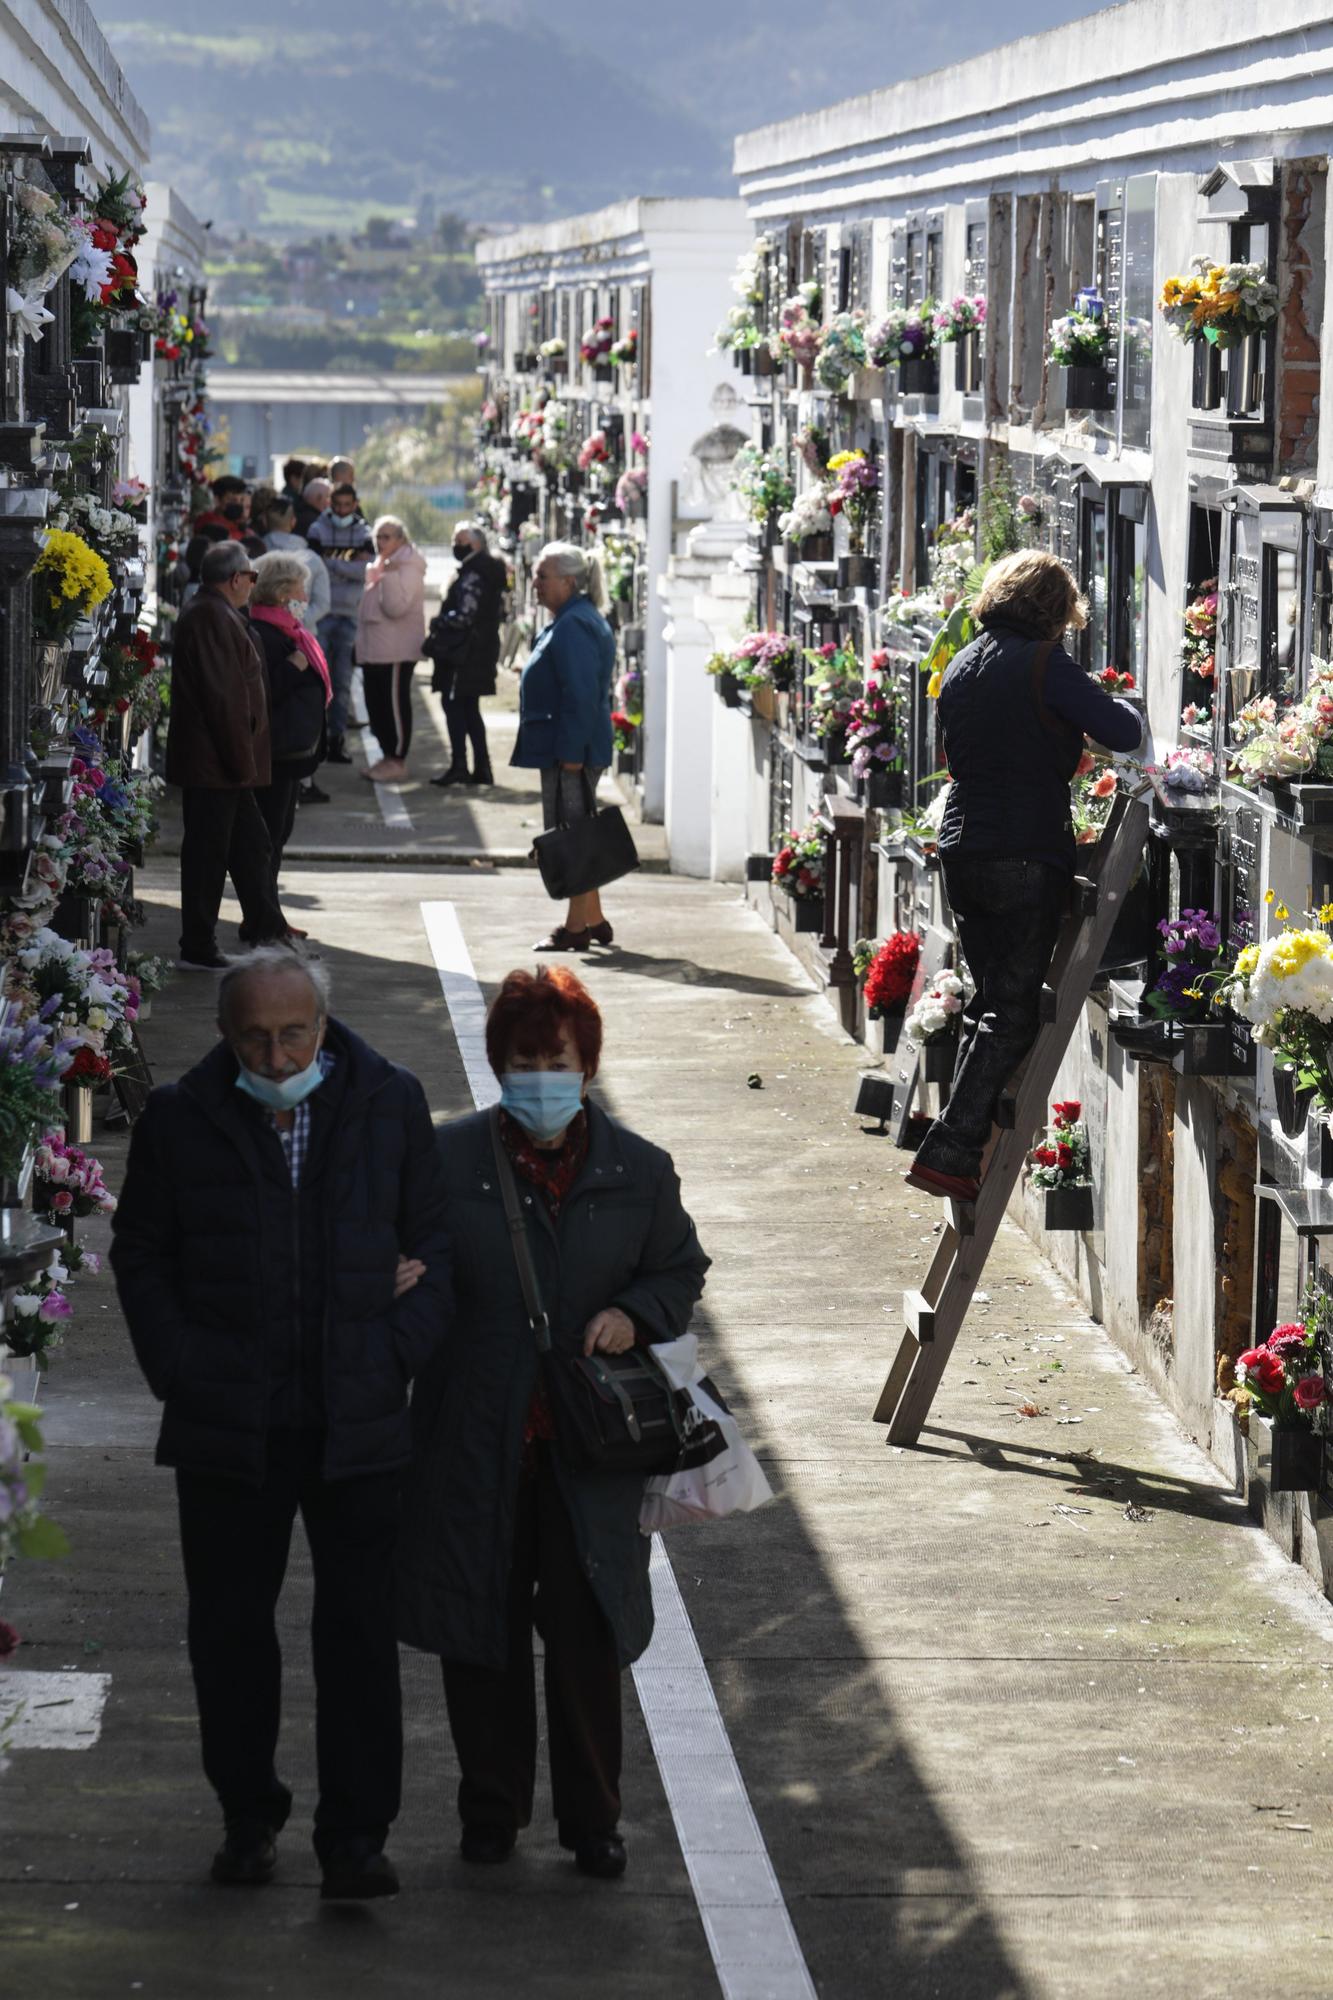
column 934, row 1316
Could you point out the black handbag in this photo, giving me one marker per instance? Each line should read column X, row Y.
column 577, row 855
column 613, row 1412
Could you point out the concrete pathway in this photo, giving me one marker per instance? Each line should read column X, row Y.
column 1027, row 1713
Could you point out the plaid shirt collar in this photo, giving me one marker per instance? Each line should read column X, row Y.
column 295, row 1138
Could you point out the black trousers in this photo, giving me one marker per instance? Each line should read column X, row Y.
column 1009, row 911
column 224, row 833
column 389, row 704
column 235, row 1540
column 463, row 719
column 277, row 809
column 493, row 1715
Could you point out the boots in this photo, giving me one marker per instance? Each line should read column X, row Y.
column 457, row 774
column 483, row 775
column 338, row 752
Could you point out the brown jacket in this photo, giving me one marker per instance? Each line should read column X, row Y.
column 218, row 736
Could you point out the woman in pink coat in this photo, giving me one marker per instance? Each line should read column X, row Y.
column 390, row 629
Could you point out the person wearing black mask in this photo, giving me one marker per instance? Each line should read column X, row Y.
column 464, row 646
column 231, row 507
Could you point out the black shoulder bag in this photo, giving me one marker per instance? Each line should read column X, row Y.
column 613, row 1412
column 577, row 855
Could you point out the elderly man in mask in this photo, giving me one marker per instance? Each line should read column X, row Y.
column 281, row 1258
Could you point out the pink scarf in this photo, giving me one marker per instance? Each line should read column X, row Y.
column 287, row 621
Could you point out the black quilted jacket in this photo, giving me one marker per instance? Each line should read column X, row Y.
column 203, row 1250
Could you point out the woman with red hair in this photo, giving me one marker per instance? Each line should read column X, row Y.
column 502, row 1531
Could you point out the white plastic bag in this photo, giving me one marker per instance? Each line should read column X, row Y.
column 724, row 1477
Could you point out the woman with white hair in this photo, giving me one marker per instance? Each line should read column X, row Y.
column 390, row 632
column 564, row 705
column 299, row 688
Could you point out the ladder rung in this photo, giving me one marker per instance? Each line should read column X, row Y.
column 1085, row 897
column 1046, row 1005
column 920, row 1316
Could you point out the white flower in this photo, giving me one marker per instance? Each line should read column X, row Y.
column 26, row 1304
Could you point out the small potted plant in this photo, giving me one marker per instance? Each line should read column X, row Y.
column 1059, row 1167
column 798, row 871
column 872, row 739
column 1223, row 309
column 1284, row 989
column 905, row 339
column 1284, row 1384
column 887, row 976
column 933, row 1025
column 1080, row 343
column 807, row 526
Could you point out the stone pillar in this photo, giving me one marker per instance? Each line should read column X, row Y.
column 704, row 607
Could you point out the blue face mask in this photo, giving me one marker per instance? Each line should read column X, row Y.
column 282, row 1093
column 544, row 1101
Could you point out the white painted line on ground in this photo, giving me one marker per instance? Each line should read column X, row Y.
column 59, row 1711
column 756, row 1953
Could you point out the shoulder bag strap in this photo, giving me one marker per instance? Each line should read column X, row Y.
column 518, row 1237
column 1039, row 660
column 589, row 795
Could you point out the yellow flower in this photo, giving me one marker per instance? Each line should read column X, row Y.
column 1171, row 291
column 1282, row 913
column 1247, row 961
column 1325, row 913
column 1269, row 894
column 71, row 569
column 842, row 458
column 1191, row 993
column 1295, row 949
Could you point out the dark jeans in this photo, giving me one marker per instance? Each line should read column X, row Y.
column 462, row 715
column 389, row 704
column 1009, row 911
column 493, row 1715
column 235, row 1540
column 337, row 635
column 224, row 832
column 277, row 807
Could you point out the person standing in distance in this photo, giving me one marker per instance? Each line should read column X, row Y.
column 464, row 644
column 342, row 537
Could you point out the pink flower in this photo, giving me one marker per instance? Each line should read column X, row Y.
column 55, row 1306
column 1309, row 1392
column 62, row 1201
column 1104, row 786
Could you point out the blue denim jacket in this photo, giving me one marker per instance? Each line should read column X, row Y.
column 564, row 696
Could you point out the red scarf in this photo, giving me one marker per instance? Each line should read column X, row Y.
column 287, row 621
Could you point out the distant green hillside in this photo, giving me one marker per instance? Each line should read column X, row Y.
column 319, row 113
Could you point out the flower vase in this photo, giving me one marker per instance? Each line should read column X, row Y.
column 814, row 549
column 1069, row 1208
column 884, row 789
column 763, row 360
column 78, row 1114
column 744, row 358
column 1207, row 376
column 1245, row 377
column 51, row 657
column 145, row 1012
column 1088, row 388
column 920, row 377
column 938, row 1057
column 764, row 702
column 806, row 912
column 857, row 572
column 1296, row 1463
column 967, row 363
column 1293, row 1106
column 729, row 690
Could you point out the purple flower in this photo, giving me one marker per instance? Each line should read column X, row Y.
column 55, row 1306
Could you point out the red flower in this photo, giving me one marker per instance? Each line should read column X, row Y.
column 9, row 1641
column 122, row 707
column 1270, row 1374
column 1250, row 1358
column 106, row 236
column 88, row 1067
column 1309, row 1392
column 1284, row 1333
column 1064, row 1156
column 1086, row 763
column 1069, row 1112
column 1046, row 1156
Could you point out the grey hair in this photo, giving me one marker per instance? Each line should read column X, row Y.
column 268, row 959
column 475, row 533
column 567, row 559
column 272, row 571
column 222, row 562
column 390, row 521
column 314, row 487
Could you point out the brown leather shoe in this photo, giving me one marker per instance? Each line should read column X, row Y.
column 561, row 939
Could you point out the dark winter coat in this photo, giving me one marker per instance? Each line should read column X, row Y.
column 623, row 1239
column 218, row 734
column 210, row 1262
column 297, row 703
column 1012, row 743
column 564, row 697
column 466, row 629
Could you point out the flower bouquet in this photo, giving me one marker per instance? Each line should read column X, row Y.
column 808, row 521
column 798, row 870
column 554, row 349
column 1115, row 681
column 595, row 346
column 762, row 482
column 856, row 482
column 32, row 1065
column 960, row 318
column 593, row 451
column 906, row 335
column 1218, row 303
column 1286, row 1381
column 1190, row 947
column 872, row 735
column 43, row 243
column 1284, row 989
column 887, row 981
column 625, row 351
column 1082, row 337
column 1197, row 652
column 623, row 732
column 68, row 1183
column 89, row 995
column 40, row 1311
column 741, row 329
column 1091, row 795
column 812, row 448
column 842, row 350
column 69, row 580
column 1060, row 1168
column 834, row 683
column 933, row 1024
column 632, row 490
column 767, row 659
column 798, row 335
